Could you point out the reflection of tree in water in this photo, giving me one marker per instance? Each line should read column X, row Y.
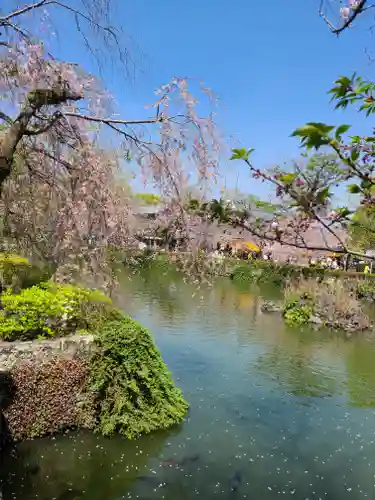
column 173, row 297
column 360, row 365
column 157, row 288
column 297, row 372
column 82, row 466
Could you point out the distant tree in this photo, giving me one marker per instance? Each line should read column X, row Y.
column 362, row 229
column 149, row 198
column 306, row 193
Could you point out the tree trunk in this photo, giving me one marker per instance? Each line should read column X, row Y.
column 9, row 142
column 13, row 135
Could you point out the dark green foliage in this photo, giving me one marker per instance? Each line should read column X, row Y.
column 247, row 273
column 132, row 388
column 278, row 274
column 152, row 263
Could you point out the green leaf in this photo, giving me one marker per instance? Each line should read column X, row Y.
column 341, row 130
column 366, row 184
column 314, row 134
column 343, row 212
column 241, row 154
column 354, row 189
column 354, row 155
column 323, row 194
column 288, row 178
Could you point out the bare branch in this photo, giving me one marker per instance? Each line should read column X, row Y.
column 91, row 15
column 23, row 10
column 114, row 121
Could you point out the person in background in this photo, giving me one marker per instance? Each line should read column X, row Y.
column 367, row 269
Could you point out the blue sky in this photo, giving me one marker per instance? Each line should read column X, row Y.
column 271, row 62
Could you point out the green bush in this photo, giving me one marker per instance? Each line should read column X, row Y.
column 258, row 271
column 366, row 289
column 296, row 313
column 132, row 387
column 13, row 269
column 261, row 271
column 49, row 309
column 17, row 272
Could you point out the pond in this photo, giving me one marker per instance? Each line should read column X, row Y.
column 275, row 412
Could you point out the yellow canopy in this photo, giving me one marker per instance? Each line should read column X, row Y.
column 252, row 247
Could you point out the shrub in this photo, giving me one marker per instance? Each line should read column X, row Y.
column 49, row 309
column 366, row 289
column 259, row 271
column 13, row 269
column 130, row 383
column 296, row 313
column 333, row 301
column 17, row 272
column 246, row 273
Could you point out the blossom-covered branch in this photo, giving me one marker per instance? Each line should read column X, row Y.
column 92, row 20
column 345, row 15
column 306, row 192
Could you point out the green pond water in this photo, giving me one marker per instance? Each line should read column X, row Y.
column 275, row 412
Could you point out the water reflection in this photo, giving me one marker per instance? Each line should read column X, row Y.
column 79, row 466
column 274, row 411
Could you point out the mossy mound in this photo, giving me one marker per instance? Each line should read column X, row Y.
column 130, row 384
column 121, row 385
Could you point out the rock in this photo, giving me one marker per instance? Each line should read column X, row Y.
column 271, row 307
column 72, row 346
column 315, row 320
